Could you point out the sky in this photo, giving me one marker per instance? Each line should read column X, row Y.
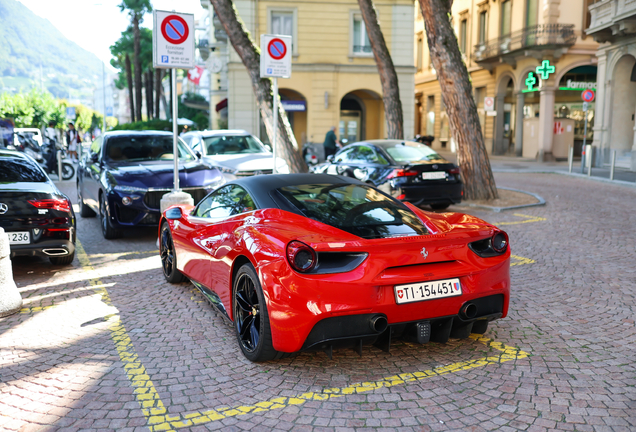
column 96, row 24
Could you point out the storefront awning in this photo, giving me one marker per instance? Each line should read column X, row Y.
column 221, row 105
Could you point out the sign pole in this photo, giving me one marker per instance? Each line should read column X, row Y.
column 588, row 157
column 175, row 130
column 275, row 121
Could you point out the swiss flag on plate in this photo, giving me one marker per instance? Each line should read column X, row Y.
column 194, row 75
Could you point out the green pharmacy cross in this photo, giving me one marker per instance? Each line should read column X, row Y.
column 545, row 69
column 531, row 81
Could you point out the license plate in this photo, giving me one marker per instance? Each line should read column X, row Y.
column 427, row 290
column 436, row 175
column 19, row 237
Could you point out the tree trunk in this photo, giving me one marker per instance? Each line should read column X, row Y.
column 149, row 101
column 286, row 145
column 158, row 88
column 457, row 94
column 129, row 80
column 388, row 77
column 137, row 69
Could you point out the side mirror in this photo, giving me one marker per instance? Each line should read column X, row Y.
column 174, row 213
column 330, row 158
column 198, row 154
column 268, row 147
column 94, row 157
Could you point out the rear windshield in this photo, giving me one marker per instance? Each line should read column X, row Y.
column 411, row 151
column 144, row 148
column 232, row 144
column 14, row 170
column 358, row 209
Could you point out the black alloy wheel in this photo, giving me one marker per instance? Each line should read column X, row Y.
column 85, row 211
column 250, row 317
column 168, row 256
column 108, row 231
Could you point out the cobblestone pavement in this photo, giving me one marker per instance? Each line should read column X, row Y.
column 107, row 344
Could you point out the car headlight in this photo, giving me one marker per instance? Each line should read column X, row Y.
column 215, row 184
column 129, row 189
column 226, row 170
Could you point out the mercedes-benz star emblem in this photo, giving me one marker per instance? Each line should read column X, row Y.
column 424, row 253
column 3, row 208
column 435, row 166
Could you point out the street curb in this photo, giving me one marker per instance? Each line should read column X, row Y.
column 576, row 175
column 500, row 209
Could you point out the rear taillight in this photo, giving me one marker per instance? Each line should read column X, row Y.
column 500, row 241
column 301, row 257
column 59, row 204
column 403, row 173
column 454, row 171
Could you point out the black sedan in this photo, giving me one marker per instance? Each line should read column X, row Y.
column 126, row 173
column 38, row 218
column 409, row 171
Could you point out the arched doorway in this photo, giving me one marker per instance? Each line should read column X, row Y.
column 361, row 116
column 622, row 133
column 295, row 106
column 505, row 105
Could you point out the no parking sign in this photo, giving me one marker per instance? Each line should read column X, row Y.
column 276, row 56
column 173, row 40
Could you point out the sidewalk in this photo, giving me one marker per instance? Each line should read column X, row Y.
column 511, row 164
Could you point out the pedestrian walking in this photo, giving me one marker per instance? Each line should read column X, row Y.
column 331, row 143
column 73, row 140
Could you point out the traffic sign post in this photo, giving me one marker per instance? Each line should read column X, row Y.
column 587, row 96
column 275, row 63
column 489, row 103
column 173, row 48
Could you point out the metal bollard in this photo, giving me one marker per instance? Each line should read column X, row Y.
column 588, row 159
column 613, row 164
column 59, row 164
column 570, row 159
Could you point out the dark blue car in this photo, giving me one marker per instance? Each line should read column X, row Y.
column 124, row 175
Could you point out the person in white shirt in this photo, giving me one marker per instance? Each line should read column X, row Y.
column 72, row 139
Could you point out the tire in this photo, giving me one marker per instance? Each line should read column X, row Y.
column 108, row 231
column 251, row 319
column 169, row 257
column 85, row 211
column 439, row 206
column 68, row 171
column 63, row 260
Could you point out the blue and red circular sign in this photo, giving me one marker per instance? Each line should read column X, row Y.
column 588, row 95
column 277, row 49
column 174, row 29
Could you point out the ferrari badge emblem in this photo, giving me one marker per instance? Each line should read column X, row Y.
column 424, row 253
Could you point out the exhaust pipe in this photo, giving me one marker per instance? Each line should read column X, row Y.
column 468, row 311
column 378, row 323
column 55, row 252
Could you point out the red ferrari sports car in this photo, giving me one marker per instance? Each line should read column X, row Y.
column 313, row 262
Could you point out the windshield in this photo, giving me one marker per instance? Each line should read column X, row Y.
column 232, row 144
column 411, row 151
column 19, row 170
column 144, row 148
column 358, row 209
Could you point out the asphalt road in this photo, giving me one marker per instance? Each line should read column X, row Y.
column 107, row 344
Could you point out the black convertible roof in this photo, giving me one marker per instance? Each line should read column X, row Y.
column 260, row 187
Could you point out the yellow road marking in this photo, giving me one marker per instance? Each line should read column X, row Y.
column 521, row 260
column 156, row 413
column 144, row 389
column 528, row 219
column 507, row 353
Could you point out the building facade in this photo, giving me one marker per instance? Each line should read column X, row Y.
column 613, row 23
column 533, row 58
column 335, row 80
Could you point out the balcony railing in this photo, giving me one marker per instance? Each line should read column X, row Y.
column 539, row 36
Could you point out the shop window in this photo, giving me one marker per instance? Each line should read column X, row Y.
column 360, row 44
